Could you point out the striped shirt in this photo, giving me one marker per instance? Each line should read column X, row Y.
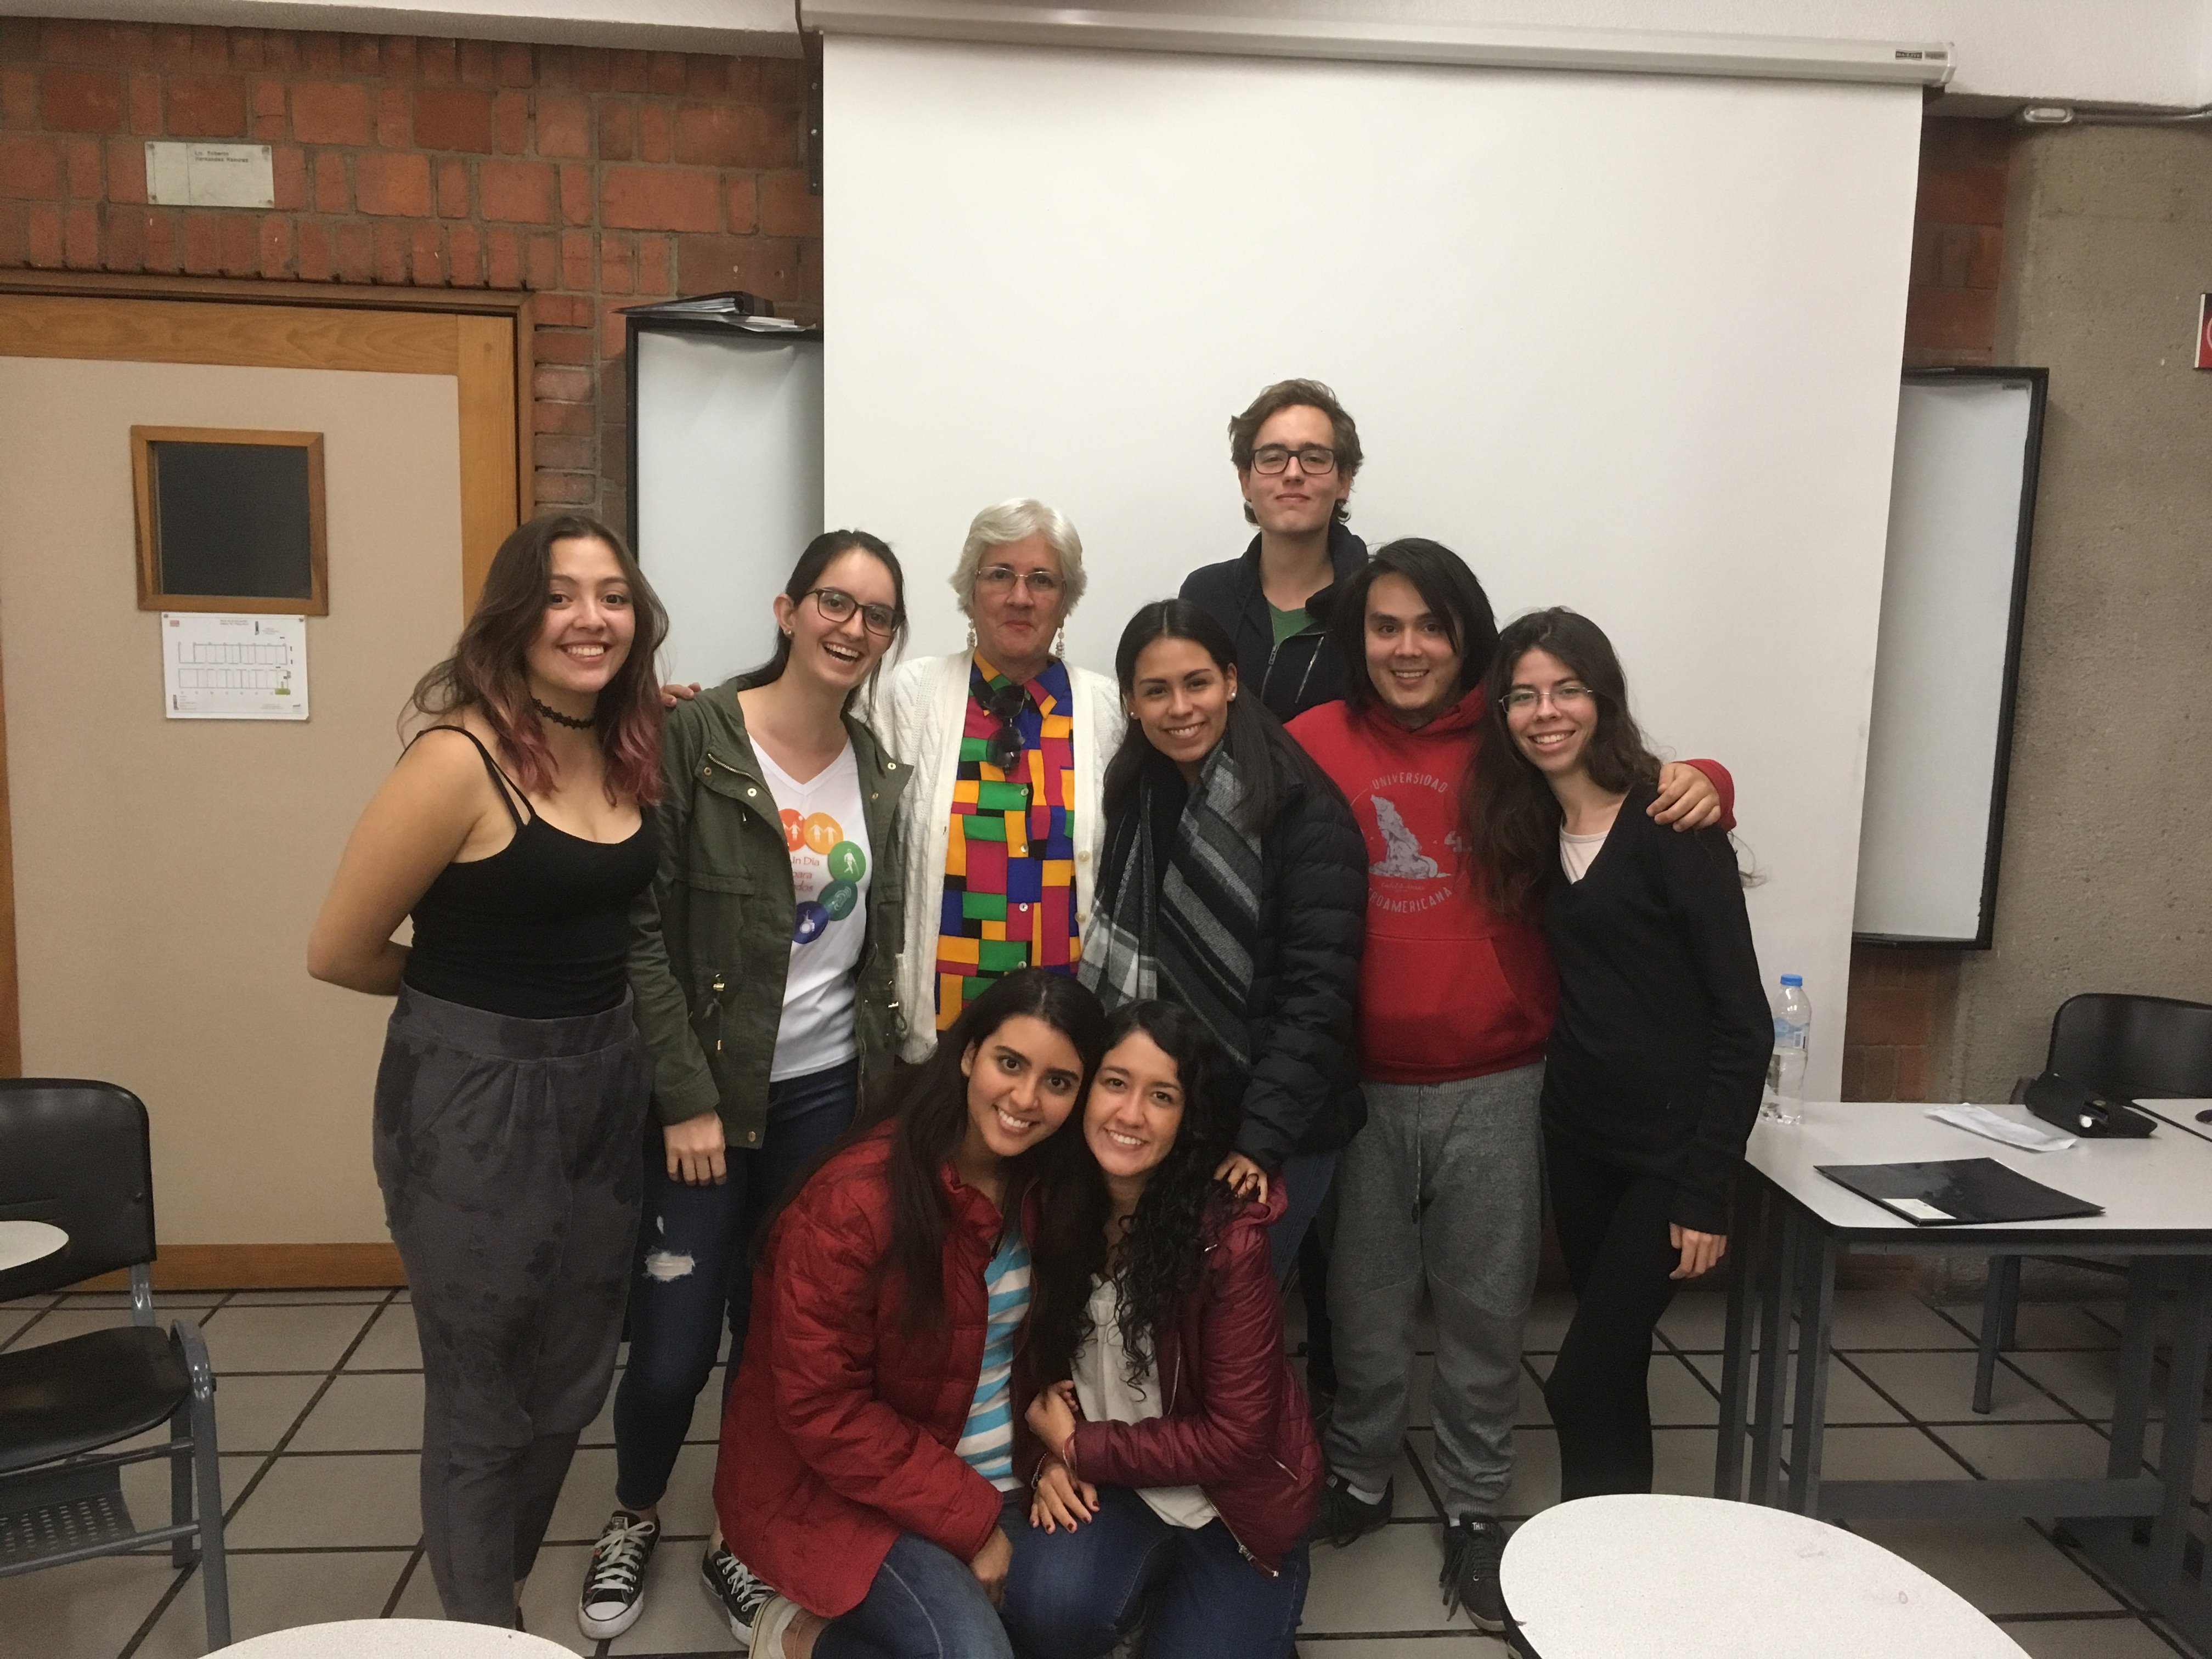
column 988, row 1441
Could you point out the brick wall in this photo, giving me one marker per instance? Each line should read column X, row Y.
column 1901, row 1000
column 596, row 179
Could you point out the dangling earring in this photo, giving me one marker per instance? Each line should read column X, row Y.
column 971, row 636
column 1060, row 641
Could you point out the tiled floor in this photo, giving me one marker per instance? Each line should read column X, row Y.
column 319, row 1404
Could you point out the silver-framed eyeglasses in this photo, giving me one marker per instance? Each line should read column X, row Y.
column 1568, row 694
column 1001, row 578
column 1315, row 460
column 836, row 605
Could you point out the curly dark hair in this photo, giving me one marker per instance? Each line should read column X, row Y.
column 1164, row 1245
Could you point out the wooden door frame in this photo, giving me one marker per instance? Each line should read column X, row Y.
column 481, row 359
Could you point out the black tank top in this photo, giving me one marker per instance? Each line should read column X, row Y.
column 540, row 930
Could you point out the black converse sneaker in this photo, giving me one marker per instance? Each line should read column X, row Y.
column 1474, row 1547
column 736, row 1590
column 614, row 1583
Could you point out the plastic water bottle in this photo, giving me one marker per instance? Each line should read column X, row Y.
column 1784, row 1098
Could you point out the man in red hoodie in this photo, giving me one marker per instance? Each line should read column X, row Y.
column 1442, row 1186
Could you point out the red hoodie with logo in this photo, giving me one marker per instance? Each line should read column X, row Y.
column 1448, row 989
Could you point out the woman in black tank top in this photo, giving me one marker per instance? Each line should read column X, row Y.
column 514, row 1085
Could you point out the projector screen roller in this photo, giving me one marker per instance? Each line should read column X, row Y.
column 1627, row 342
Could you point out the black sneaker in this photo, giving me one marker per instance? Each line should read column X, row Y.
column 1342, row 1518
column 736, row 1590
column 1473, row 1548
column 614, row 1583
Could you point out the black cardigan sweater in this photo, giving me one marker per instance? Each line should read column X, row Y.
column 1663, row 1033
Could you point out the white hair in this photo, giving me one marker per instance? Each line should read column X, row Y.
column 1013, row 520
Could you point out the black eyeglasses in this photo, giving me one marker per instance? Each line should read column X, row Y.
column 1315, row 460
column 836, row 605
column 1004, row 746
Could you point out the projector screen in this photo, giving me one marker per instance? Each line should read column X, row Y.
column 1627, row 342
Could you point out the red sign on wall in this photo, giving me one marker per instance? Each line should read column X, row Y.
column 2204, row 331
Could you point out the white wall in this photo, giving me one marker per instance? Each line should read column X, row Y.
column 2149, row 51
column 1627, row 342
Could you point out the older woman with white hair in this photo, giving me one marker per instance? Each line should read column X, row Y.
column 1009, row 743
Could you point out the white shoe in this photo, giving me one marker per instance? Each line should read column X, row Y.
column 769, row 1623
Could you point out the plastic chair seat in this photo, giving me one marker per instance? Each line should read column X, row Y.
column 85, row 1392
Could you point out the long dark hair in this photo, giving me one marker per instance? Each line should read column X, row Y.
column 489, row 671
column 929, row 1120
column 1446, row 586
column 1268, row 759
column 1513, row 816
column 1163, row 1251
column 806, row 575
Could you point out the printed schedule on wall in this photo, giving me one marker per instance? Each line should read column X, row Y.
column 222, row 665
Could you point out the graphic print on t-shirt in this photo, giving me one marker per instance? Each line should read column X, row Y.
column 1410, row 877
column 825, row 872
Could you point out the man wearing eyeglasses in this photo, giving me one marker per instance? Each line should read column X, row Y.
column 1297, row 454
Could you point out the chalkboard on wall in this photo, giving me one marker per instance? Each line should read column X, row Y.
column 230, row 521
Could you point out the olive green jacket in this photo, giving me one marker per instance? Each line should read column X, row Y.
column 713, row 934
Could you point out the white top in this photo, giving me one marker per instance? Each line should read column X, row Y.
column 827, row 830
column 1576, row 852
column 396, row 1638
column 1654, row 1576
column 2162, row 1183
column 1104, row 1390
column 919, row 712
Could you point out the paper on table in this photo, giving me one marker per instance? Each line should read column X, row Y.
column 1980, row 1121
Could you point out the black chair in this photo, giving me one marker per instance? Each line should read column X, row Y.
column 2136, row 1048
column 75, row 1155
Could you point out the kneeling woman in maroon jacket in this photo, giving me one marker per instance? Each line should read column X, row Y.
column 1190, row 1480
column 882, row 1388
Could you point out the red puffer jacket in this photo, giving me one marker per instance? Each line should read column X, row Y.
column 1233, row 1420
column 840, row 1433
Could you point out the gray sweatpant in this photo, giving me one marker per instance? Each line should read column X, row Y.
column 507, row 1150
column 1443, row 1187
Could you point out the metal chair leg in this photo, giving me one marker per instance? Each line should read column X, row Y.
column 182, row 1552
column 215, row 1572
column 2000, row 1312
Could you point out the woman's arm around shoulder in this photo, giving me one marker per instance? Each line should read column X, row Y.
column 418, row 822
column 1241, row 1346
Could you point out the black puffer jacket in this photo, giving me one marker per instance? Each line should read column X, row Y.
column 1303, row 1095
column 1302, row 672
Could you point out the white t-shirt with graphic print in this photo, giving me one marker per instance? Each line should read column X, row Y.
column 830, row 867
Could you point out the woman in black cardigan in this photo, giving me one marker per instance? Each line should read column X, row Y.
column 1652, row 1074
column 1233, row 880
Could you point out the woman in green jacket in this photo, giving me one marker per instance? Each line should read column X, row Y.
column 762, row 973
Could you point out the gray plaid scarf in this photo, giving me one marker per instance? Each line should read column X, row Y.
column 1187, row 927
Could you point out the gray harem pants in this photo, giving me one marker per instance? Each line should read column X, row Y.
column 507, row 1150
column 1442, row 1188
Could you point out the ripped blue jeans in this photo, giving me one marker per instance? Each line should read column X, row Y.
column 695, row 1269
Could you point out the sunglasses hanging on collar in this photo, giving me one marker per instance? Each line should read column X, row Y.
column 1005, row 746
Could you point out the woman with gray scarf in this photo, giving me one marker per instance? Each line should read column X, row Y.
column 1233, row 880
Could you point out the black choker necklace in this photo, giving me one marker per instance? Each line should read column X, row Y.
column 559, row 719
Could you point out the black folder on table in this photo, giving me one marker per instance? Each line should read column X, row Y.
column 1958, row 1192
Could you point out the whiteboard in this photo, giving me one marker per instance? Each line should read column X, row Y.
column 1628, row 343
column 1954, row 580
column 726, row 487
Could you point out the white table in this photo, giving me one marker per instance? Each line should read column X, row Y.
column 396, row 1638
column 22, row 1243
column 1793, row 1221
column 1695, row 1575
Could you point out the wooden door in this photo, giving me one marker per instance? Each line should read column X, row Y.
column 160, row 875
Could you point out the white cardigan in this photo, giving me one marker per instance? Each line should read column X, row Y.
column 919, row 712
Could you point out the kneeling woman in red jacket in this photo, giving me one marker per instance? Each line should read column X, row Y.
column 873, row 1481
column 1191, row 1478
